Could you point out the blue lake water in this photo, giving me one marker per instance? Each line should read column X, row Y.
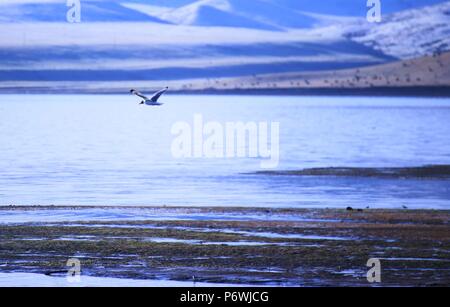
column 108, row 150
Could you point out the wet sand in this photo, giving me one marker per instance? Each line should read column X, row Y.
column 278, row 247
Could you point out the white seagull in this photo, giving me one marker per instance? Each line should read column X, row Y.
column 150, row 101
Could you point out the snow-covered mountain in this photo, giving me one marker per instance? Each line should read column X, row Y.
column 260, row 14
column 56, row 10
column 407, row 34
column 132, row 40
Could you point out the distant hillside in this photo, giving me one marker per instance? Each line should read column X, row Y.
column 428, row 71
column 55, row 11
column 427, row 76
column 197, row 44
column 260, row 14
column 407, row 34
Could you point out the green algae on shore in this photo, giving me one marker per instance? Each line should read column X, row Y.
column 323, row 247
column 424, row 172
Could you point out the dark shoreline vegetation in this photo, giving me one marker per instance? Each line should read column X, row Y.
column 288, row 247
column 422, row 172
column 416, row 91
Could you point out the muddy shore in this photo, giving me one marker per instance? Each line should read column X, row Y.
column 287, row 247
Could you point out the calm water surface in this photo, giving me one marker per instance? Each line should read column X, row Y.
column 108, row 150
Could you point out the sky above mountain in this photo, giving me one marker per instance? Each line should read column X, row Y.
column 352, row 7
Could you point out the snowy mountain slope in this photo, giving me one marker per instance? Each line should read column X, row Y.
column 407, row 34
column 211, row 15
column 56, row 10
column 259, row 14
column 204, row 39
column 356, row 8
column 126, row 51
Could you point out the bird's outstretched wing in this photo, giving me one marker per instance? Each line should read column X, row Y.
column 139, row 94
column 158, row 94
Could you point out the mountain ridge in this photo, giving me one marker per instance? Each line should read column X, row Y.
column 130, row 41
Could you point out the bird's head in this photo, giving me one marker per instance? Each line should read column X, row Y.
column 132, row 90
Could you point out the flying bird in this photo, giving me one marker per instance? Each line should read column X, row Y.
column 150, row 101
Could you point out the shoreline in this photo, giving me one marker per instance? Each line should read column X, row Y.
column 416, row 91
column 242, row 246
column 236, row 208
